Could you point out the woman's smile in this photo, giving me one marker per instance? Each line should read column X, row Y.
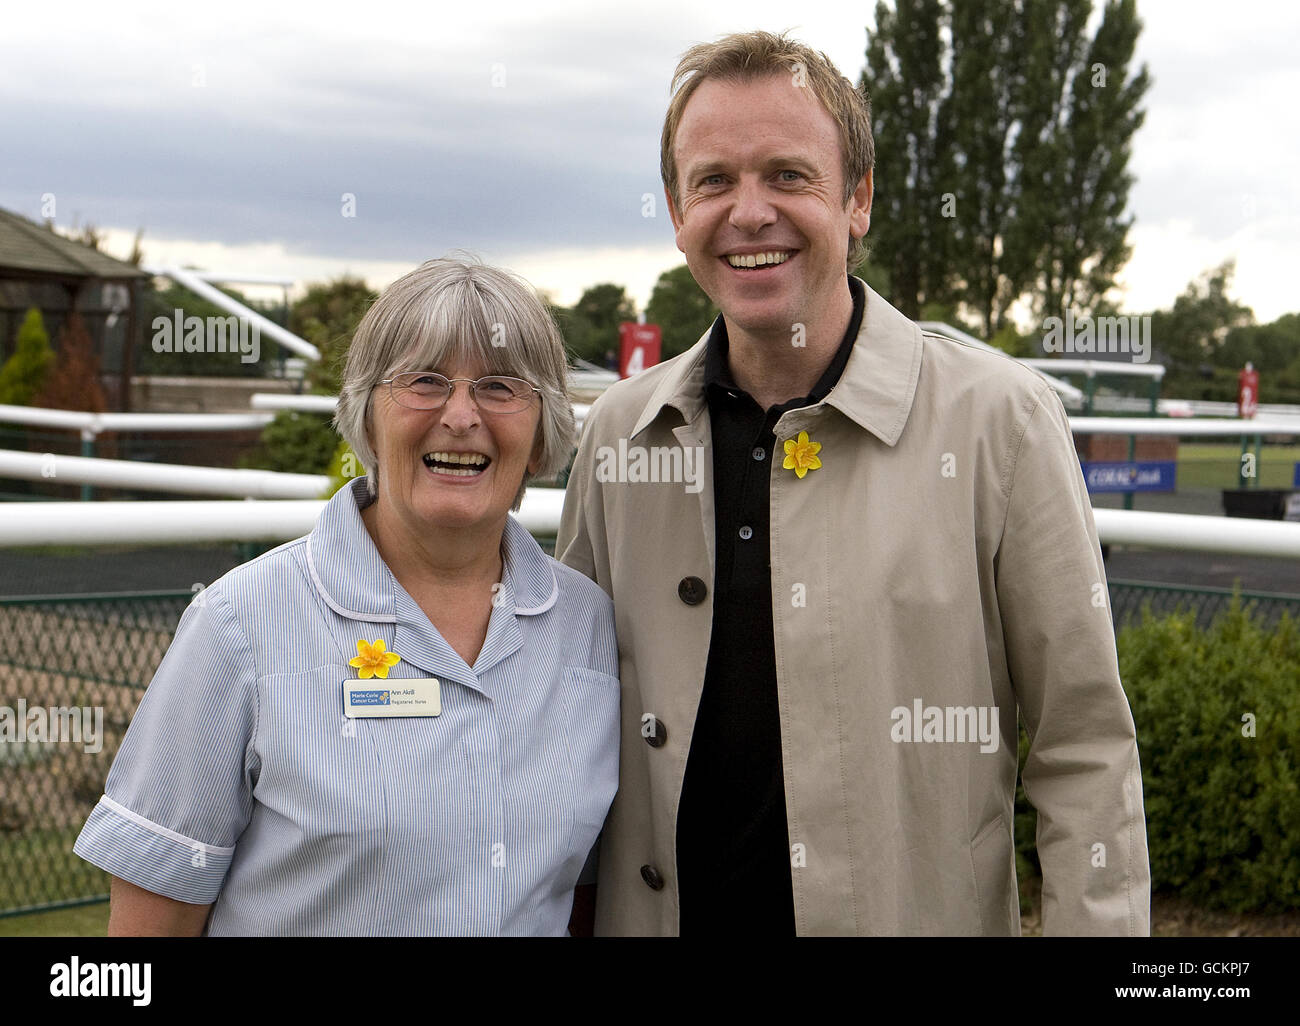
column 464, row 466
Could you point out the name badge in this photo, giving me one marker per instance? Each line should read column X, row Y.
column 414, row 697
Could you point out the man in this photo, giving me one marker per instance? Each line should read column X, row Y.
column 825, row 637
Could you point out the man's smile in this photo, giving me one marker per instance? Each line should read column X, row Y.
column 761, row 260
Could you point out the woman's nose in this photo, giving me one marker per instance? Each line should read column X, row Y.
column 460, row 411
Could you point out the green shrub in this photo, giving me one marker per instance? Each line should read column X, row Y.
column 295, row 443
column 25, row 371
column 1218, row 725
column 1218, row 721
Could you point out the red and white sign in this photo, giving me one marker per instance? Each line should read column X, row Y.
column 1247, row 392
column 638, row 347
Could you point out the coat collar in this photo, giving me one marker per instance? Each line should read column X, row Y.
column 875, row 391
column 354, row 581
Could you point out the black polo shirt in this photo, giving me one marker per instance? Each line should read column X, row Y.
column 733, row 850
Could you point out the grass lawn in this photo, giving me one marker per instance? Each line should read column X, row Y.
column 1217, row 466
column 82, row 921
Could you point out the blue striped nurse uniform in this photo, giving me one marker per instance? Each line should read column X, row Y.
column 241, row 783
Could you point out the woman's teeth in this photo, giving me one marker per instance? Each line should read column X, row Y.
column 457, row 464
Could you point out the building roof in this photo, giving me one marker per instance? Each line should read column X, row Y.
column 29, row 248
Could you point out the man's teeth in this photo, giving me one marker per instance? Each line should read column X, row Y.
column 457, row 464
column 759, row 259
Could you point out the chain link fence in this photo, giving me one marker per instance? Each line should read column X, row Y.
column 99, row 652
column 1129, row 598
column 89, row 659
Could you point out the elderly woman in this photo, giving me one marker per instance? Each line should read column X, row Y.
column 407, row 721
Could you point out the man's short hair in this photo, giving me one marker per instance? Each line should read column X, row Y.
column 458, row 308
column 745, row 56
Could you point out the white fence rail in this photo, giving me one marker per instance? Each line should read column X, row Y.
column 1187, row 427
column 91, row 424
column 181, row 523
column 218, row 298
column 160, row 477
column 306, row 403
column 1237, row 536
column 160, row 523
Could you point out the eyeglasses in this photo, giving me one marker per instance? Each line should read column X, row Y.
column 425, row 390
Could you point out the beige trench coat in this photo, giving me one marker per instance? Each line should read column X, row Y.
column 944, row 555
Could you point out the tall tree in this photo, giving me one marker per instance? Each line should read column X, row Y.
column 1202, row 318
column 593, row 328
column 978, row 115
column 904, row 79
column 1088, row 243
column 681, row 309
column 1270, row 347
column 1003, row 133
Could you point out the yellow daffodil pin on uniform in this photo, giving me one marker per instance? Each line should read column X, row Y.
column 372, row 660
column 801, row 455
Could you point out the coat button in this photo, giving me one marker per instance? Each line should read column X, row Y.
column 652, row 878
column 658, row 734
column 691, row 590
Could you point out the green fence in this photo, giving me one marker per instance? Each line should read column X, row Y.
column 100, row 651
column 1128, row 598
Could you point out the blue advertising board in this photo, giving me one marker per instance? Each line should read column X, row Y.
column 1142, row 476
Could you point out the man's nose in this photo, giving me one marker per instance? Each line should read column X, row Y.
column 751, row 210
column 459, row 413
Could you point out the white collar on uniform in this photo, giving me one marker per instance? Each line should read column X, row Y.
column 355, row 582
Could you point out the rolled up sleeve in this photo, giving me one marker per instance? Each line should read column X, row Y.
column 180, row 791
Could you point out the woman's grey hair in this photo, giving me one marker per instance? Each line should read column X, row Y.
column 458, row 309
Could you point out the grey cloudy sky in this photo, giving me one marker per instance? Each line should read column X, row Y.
column 529, row 133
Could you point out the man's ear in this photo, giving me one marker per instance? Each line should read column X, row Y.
column 676, row 217
column 860, row 207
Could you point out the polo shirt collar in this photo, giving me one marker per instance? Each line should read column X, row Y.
column 875, row 391
column 717, row 368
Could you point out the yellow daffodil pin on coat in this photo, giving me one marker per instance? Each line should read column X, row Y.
column 801, row 455
column 372, row 660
